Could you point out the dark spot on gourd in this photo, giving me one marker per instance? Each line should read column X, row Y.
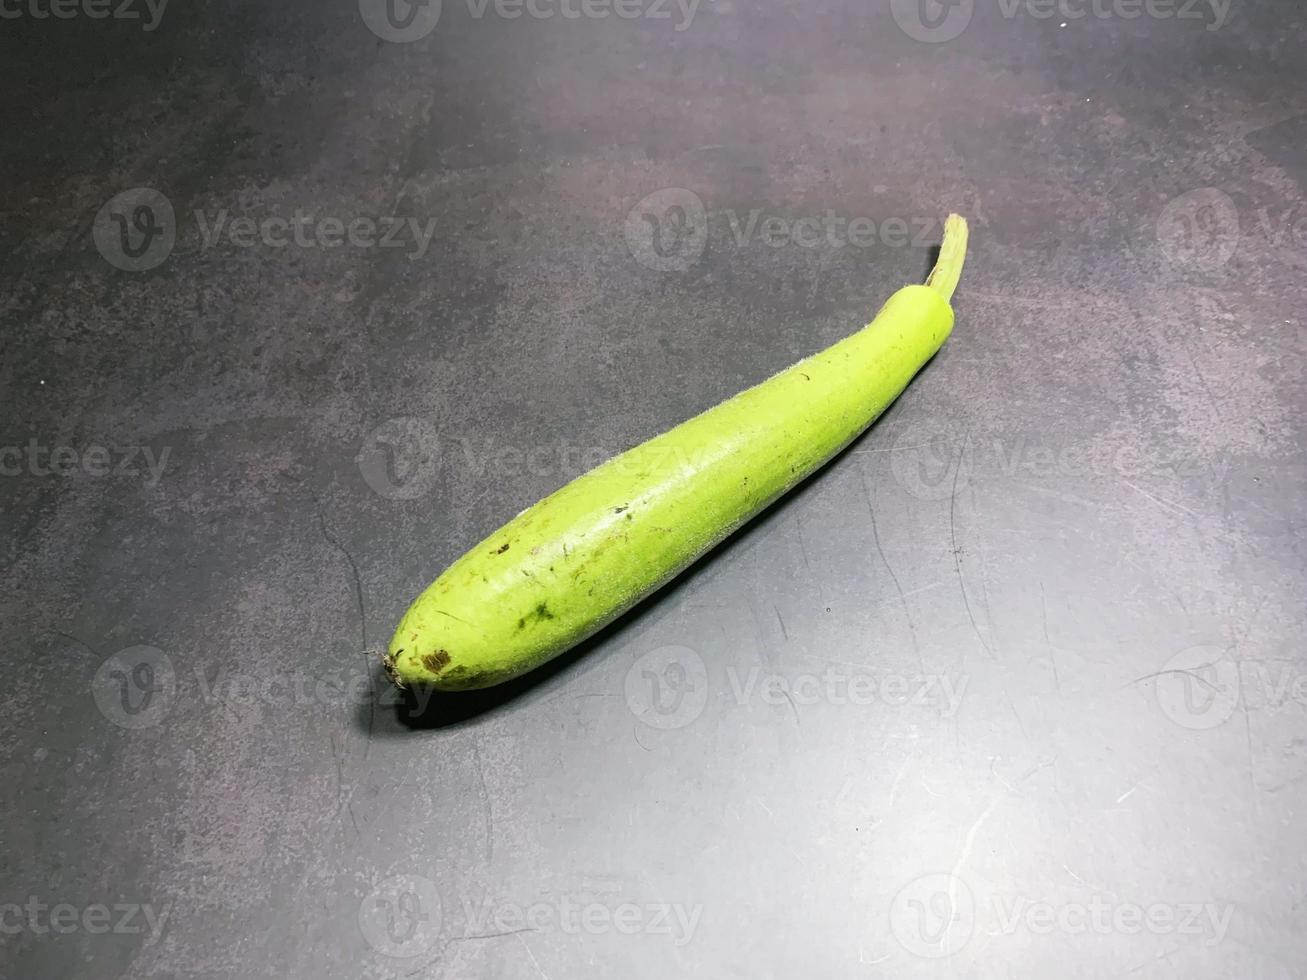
column 618, row 510
column 436, row 662
column 539, row 614
column 501, row 549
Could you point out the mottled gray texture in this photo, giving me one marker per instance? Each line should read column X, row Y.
column 1103, row 469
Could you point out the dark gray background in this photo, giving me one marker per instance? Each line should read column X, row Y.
column 1085, row 518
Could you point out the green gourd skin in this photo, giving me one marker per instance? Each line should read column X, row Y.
column 570, row 564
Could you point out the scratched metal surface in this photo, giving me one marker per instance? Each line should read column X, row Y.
column 1014, row 688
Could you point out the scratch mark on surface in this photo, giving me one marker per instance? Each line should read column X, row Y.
column 1252, row 767
column 993, row 771
column 921, row 588
column 363, row 620
column 422, row 969
column 635, row 734
column 1052, row 654
column 792, row 705
column 1177, row 670
column 493, row 935
column 957, row 557
column 1020, row 724
column 534, row 961
column 784, row 631
column 485, row 799
column 898, row 587
column 967, row 845
column 1161, row 501
column 1067, row 498
column 888, row 449
column 803, row 548
column 894, row 786
column 1036, row 768
column 816, row 276
column 84, row 646
column 343, row 793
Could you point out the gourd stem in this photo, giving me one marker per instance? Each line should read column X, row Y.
column 952, row 252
